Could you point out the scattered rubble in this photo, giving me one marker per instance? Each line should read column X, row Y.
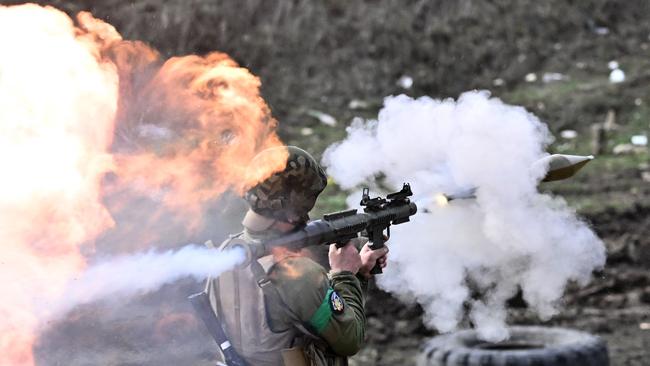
column 550, row 77
column 639, row 140
column 357, row 104
column 531, row 77
column 322, row 117
column 616, row 76
column 601, row 31
column 628, row 149
column 405, row 82
column 568, row 134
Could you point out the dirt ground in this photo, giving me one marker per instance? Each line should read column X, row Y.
column 350, row 58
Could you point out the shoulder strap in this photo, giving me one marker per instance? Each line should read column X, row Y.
column 271, row 293
column 218, row 306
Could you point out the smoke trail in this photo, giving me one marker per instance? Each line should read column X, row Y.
column 117, row 276
column 509, row 237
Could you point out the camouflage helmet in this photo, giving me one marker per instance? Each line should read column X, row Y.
column 290, row 194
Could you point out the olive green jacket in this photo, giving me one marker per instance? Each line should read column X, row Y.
column 319, row 312
column 329, row 305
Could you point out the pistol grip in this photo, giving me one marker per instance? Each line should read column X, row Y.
column 376, row 269
column 377, row 244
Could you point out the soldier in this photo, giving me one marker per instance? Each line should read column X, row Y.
column 285, row 309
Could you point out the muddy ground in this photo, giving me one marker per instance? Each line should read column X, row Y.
column 342, row 58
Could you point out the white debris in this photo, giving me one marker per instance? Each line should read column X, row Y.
column 601, row 31
column 625, row 149
column 405, row 82
column 550, row 77
column 531, row 77
column 612, row 65
column 498, row 82
column 358, row 104
column 581, row 65
column 306, row 131
column 644, row 326
column 617, row 76
column 638, row 102
column 639, row 140
column 322, row 117
column 569, row 134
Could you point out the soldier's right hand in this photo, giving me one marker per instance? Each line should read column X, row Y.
column 346, row 258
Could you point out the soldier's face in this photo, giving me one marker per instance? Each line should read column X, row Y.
column 283, row 227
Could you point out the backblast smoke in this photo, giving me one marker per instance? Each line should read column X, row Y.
column 475, row 252
column 115, row 276
column 105, row 148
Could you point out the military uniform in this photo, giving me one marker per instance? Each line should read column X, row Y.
column 287, row 310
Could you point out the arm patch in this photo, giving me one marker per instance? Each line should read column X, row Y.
column 336, row 303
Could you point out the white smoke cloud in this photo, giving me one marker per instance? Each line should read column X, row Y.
column 140, row 273
column 509, row 237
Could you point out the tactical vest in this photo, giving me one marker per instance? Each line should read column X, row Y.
column 238, row 299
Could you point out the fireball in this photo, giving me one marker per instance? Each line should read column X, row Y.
column 86, row 115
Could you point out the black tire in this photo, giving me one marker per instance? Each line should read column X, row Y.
column 527, row 346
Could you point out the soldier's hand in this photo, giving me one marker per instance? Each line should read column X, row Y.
column 371, row 257
column 346, row 258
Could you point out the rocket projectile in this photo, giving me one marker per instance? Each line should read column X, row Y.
column 462, row 195
column 562, row 166
column 559, row 167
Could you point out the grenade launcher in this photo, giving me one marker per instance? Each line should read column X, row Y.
column 339, row 227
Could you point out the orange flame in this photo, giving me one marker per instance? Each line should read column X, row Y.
column 85, row 115
column 187, row 126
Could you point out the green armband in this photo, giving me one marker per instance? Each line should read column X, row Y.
column 323, row 314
